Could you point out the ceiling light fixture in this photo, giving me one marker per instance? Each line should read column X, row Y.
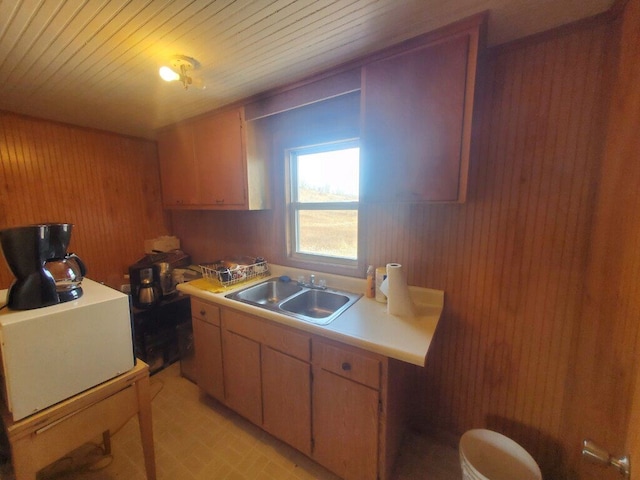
column 180, row 66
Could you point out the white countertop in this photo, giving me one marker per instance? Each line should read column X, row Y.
column 366, row 324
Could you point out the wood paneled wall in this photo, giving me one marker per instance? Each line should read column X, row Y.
column 606, row 356
column 512, row 259
column 539, row 266
column 107, row 185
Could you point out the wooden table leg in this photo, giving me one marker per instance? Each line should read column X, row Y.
column 106, row 441
column 23, row 465
column 146, row 428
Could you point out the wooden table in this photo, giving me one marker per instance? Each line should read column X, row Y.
column 40, row 439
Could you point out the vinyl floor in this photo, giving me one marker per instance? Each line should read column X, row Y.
column 198, row 439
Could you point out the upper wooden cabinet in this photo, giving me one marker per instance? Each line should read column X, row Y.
column 417, row 102
column 178, row 171
column 213, row 162
column 219, row 150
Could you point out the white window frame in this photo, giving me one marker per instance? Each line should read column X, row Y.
column 294, row 206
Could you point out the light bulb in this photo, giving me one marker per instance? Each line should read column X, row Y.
column 168, row 75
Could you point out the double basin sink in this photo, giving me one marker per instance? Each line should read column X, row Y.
column 309, row 303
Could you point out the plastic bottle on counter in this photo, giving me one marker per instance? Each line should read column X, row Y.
column 370, row 292
column 381, row 274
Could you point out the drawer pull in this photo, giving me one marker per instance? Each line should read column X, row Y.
column 203, row 312
column 346, row 366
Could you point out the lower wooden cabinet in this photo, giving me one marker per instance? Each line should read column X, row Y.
column 208, row 348
column 345, row 426
column 286, row 397
column 208, row 358
column 330, row 401
column 347, row 407
column 243, row 385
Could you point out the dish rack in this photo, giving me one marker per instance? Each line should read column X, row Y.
column 227, row 272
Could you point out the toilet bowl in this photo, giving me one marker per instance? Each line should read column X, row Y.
column 489, row 455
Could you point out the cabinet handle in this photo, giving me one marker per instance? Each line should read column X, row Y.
column 203, row 312
column 346, row 366
column 220, row 201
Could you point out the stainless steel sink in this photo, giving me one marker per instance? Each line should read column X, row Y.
column 268, row 293
column 315, row 305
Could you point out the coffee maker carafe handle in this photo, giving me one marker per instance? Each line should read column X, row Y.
column 80, row 263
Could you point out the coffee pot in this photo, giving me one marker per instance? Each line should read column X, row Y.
column 45, row 273
column 67, row 273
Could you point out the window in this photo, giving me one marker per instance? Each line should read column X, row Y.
column 323, row 204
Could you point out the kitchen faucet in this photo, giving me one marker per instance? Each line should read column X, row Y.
column 321, row 285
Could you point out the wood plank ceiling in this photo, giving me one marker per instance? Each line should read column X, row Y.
column 95, row 62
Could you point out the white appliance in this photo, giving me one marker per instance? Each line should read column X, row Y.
column 52, row 353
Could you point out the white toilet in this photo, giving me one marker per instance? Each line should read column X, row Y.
column 489, row 455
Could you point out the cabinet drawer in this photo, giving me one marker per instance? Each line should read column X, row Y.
column 347, row 363
column 205, row 311
column 287, row 341
column 278, row 337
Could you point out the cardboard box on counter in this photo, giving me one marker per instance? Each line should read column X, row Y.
column 164, row 243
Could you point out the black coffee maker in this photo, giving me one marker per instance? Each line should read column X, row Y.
column 45, row 273
column 146, row 288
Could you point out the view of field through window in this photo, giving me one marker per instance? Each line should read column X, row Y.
column 330, row 177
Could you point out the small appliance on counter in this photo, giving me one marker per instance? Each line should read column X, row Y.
column 45, row 273
column 145, row 285
column 152, row 277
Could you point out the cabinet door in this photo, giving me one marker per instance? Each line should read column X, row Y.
column 220, row 154
column 242, row 380
column 178, row 170
column 286, row 396
column 345, row 426
column 208, row 345
column 413, row 103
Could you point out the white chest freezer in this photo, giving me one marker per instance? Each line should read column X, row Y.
column 52, row 353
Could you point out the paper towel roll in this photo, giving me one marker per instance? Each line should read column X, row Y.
column 397, row 292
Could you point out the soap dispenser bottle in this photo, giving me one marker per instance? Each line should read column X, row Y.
column 370, row 292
